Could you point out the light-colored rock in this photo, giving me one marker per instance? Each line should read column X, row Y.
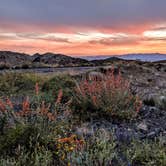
column 142, row 126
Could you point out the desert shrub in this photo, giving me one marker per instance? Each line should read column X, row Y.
column 14, row 83
column 41, row 132
column 25, row 66
column 4, row 66
column 109, row 97
column 20, row 135
column 149, row 101
column 147, row 153
column 103, row 149
column 41, row 157
column 34, row 128
column 64, row 82
column 96, row 150
column 161, row 103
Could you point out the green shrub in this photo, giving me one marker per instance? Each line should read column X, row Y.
column 17, row 83
column 150, row 102
column 25, row 66
column 41, row 157
column 161, row 103
column 96, row 151
column 64, row 82
column 30, row 135
column 147, row 153
column 20, row 135
column 4, row 66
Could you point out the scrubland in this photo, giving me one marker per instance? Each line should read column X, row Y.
column 87, row 119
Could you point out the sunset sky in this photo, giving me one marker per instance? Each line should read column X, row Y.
column 83, row 27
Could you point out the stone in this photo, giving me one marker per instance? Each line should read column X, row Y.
column 151, row 134
column 142, row 126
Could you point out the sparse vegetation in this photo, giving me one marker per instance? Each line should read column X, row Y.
column 17, row 83
column 64, row 82
column 41, row 129
column 4, row 66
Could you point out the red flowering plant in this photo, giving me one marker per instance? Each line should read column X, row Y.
column 7, row 114
column 38, row 107
column 109, row 97
column 34, row 109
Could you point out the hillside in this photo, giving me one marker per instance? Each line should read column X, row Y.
column 20, row 60
column 17, row 60
column 58, row 60
column 10, row 59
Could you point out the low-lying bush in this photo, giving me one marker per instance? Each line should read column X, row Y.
column 104, row 150
column 17, row 83
column 161, row 103
column 147, row 153
column 4, row 66
column 34, row 130
column 109, row 97
column 150, row 102
column 42, row 157
column 64, row 82
column 96, row 150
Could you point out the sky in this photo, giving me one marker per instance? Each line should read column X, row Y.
column 83, row 27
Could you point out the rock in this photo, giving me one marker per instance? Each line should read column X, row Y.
column 151, row 134
column 162, row 99
column 125, row 135
column 142, row 126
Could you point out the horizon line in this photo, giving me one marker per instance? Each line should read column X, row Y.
column 83, row 55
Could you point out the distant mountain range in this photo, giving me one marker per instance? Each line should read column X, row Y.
column 16, row 60
column 142, row 57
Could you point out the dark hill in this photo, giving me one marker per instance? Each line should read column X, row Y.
column 13, row 58
column 10, row 59
column 58, row 60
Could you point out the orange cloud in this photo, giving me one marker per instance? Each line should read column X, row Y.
column 144, row 38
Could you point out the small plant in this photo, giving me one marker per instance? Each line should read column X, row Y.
column 67, row 145
column 65, row 82
column 32, row 129
column 147, row 153
column 150, row 102
column 4, row 66
column 18, row 83
column 95, row 151
column 109, row 97
column 161, row 103
column 25, row 66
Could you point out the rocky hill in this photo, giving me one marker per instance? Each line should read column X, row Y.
column 16, row 60
column 58, row 60
column 11, row 59
column 20, row 60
